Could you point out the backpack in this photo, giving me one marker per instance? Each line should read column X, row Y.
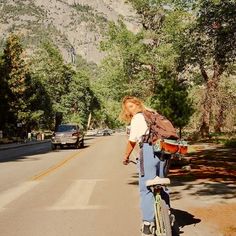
column 162, row 136
column 159, row 128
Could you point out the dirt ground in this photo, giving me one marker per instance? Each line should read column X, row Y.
column 203, row 191
column 222, row 215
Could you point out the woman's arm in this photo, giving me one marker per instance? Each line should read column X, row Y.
column 129, row 149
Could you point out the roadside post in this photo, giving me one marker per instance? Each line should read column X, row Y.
column 29, row 136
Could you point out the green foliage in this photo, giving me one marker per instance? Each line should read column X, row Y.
column 144, row 64
column 14, row 76
column 80, row 100
column 126, row 69
column 211, row 40
column 67, row 88
column 230, row 143
column 181, row 43
column 209, row 44
column 4, row 93
column 172, row 99
column 33, row 94
column 48, row 66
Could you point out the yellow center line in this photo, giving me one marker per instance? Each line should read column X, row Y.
column 59, row 165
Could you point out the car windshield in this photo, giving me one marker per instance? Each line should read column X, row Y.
column 66, row 128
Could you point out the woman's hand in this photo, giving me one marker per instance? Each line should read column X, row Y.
column 126, row 161
column 129, row 149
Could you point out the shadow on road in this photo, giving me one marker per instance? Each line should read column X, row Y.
column 23, row 154
column 212, row 175
column 214, row 168
column 182, row 218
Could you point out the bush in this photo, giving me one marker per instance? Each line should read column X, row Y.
column 230, row 143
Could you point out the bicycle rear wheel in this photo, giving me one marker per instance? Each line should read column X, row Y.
column 162, row 218
column 166, row 218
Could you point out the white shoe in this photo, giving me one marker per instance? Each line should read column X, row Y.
column 157, row 181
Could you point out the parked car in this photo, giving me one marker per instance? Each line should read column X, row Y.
column 128, row 130
column 91, row 132
column 68, row 134
column 100, row 133
column 106, row 132
column 111, row 131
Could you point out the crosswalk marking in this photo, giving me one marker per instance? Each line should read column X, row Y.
column 77, row 196
column 12, row 194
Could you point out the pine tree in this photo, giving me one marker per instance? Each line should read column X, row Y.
column 14, row 76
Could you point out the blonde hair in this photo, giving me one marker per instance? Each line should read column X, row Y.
column 125, row 115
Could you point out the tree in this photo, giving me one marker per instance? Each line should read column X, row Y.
column 125, row 69
column 171, row 98
column 14, row 76
column 135, row 61
column 68, row 87
column 4, row 93
column 40, row 110
column 210, row 44
column 80, row 100
column 224, row 107
column 55, row 76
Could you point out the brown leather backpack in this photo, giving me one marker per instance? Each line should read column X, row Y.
column 159, row 128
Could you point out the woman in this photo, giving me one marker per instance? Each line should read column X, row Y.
column 132, row 109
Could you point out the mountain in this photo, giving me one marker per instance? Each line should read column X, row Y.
column 75, row 26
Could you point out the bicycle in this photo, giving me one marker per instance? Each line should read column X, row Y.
column 164, row 220
column 162, row 211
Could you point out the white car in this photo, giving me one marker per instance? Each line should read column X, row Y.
column 91, row 132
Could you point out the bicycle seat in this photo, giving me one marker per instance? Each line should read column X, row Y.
column 157, row 181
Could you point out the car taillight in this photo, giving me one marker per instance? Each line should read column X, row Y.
column 75, row 134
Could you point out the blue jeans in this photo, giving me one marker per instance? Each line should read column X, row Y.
column 153, row 167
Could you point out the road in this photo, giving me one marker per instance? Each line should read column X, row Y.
column 85, row 192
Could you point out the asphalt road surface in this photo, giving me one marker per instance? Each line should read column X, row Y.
column 79, row 192
column 85, row 192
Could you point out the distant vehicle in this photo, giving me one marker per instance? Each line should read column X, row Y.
column 106, row 132
column 128, row 130
column 91, row 132
column 121, row 130
column 68, row 134
column 100, row 133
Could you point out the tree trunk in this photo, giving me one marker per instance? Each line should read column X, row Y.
column 207, row 105
column 210, row 94
column 220, row 119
